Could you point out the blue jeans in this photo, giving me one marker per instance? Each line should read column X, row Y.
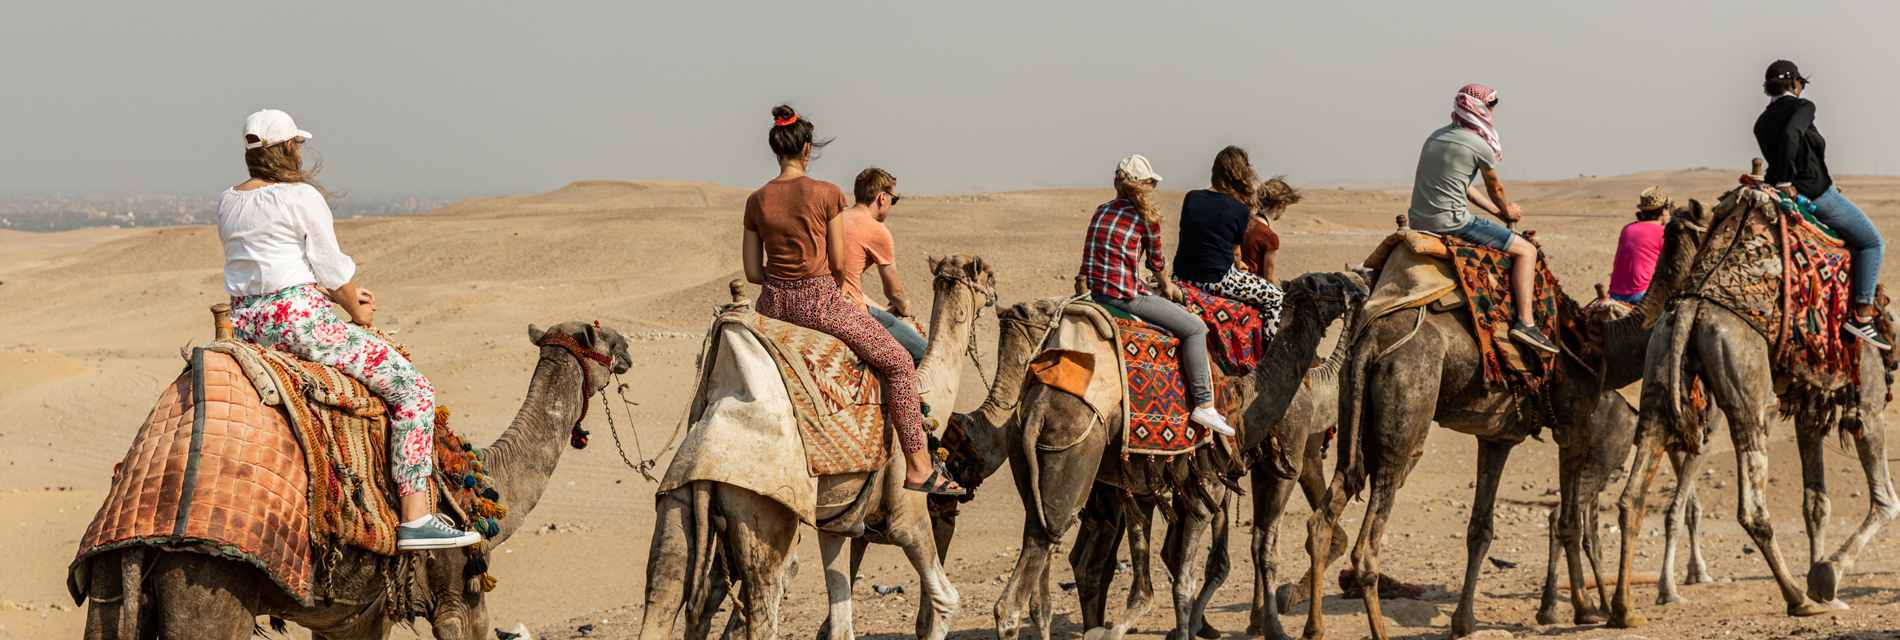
column 1864, row 244
column 1629, row 299
column 906, row 335
column 1485, row 233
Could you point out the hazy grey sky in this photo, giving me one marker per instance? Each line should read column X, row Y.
column 478, row 97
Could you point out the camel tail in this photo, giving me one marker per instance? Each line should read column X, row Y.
column 1032, row 433
column 131, row 589
column 1676, row 384
column 1352, row 416
column 699, row 559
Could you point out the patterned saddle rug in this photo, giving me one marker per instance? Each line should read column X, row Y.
column 1789, row 277
column 1237, row 333
column 838, row 398
column 264, row 458
column 1156, row 406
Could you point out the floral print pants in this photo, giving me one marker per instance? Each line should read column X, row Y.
column 817, row 304
column 298, row 320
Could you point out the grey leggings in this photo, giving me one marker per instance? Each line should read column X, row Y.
column 1158, row 311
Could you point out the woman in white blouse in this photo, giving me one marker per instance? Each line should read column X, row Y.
column 283, row 268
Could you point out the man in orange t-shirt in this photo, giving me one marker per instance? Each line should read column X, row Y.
column 868, row 242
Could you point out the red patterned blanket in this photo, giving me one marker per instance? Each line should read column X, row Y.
column 1156, row 404
column 1484, row 276
column 1236, row 333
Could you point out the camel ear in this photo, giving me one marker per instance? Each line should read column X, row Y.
column 534, row 334
column 933, row 262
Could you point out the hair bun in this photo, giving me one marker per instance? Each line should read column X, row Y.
column 782, row 112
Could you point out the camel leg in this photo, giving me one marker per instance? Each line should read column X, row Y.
column 937, row 590
column 759, row 538
column 858, row 545
column 1547, row 598
column 200, row 596
column 1319, row 536
column 1184, row 542
column 837, row 566
column 1270, row 494
column 1141, row 594
column 666, row 567
column 1219, row 564
column 1093, row 558
column 1630, row 507
column 1313, row 486
column 1577, row 490
column 1751, row 456
column 1680, row 517
column 1478, row 534
column 718, row 588
column 1871, row 446
column 1692, row 521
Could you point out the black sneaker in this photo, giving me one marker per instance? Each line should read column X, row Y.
column 1530, row 335
column 1864, row 329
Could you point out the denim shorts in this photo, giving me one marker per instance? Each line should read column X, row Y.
column 1484, row 233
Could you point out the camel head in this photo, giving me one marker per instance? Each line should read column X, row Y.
column 602, row 340
column 1333, row 293
column 965, row 270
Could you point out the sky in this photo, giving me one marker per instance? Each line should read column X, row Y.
column 478, row 98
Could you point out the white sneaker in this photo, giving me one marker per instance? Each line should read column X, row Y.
column 1211, row 419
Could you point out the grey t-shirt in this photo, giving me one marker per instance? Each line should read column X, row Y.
column 1446, row 166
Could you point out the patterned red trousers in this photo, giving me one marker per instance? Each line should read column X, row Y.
column 817, row 304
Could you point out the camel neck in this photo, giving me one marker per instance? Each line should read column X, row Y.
column 940, row 374
column 1277, row 378
column 523, row 458
column 987, row 426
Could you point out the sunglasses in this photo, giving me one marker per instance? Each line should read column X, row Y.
column 894, row 198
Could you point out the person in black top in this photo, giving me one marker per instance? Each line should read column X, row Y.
column 1213, row 228
column 1797, row 165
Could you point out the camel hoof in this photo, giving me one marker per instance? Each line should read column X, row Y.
column 1589, row 617
column 1808, row 608
column 1207, row 631
column 1547, row 617
column 1669, row 597
column 1628, row 621
column 1697, row 576
column 1836, row 605
column 1286, row 597
column 1823, row 579
column 1462, row 626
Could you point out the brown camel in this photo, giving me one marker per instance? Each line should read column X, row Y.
column 184, row 593
column 757, row 532
column 1698, row 339
column 1021, row 328
column 1412, row 368
column 1064, row 445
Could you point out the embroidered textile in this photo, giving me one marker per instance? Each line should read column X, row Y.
column 837, row 397
column 1484, row 276
column 1155, row 408
column 1236, row 331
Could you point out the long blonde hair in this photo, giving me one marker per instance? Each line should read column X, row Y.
column 1144, row 201
column 276, row 163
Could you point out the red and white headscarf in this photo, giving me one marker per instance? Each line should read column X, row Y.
column 1468, row 111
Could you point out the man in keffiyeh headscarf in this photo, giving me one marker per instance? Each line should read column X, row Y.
column 1453, row 158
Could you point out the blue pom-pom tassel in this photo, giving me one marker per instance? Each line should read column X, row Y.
column 468, row 480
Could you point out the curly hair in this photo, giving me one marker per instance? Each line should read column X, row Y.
column 1276, row 193
column 1131, row 191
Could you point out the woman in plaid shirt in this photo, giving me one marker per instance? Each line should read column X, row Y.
column 1125, row 231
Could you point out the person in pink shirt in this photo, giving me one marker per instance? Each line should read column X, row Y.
column 1637, row 248
column 868, row 242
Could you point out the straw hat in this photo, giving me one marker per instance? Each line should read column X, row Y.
column 1652, row 199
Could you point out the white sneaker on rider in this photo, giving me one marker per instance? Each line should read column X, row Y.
column 1211, row 419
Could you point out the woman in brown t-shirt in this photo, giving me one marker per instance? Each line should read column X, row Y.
column 794, row 249
column 1261, row 247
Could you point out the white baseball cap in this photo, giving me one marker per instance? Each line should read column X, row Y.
column 271, row 127
column 1137, row 169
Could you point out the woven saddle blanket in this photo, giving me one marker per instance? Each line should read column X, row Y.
column 837, row 398
column 268, row 484
column 1237, row 333
column 1144, row 384
column 1415, row 269
column 1789, row 277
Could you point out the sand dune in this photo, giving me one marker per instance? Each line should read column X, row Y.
column 99, row 317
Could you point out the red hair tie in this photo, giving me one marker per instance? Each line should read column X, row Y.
column 785, row 121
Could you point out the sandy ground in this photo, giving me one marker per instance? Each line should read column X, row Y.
column 94, row 320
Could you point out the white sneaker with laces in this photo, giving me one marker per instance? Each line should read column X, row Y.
column 1211, row 419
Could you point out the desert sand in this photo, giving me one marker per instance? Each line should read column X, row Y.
column 94, row 321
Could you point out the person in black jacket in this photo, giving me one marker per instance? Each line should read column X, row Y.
column 1797, row 165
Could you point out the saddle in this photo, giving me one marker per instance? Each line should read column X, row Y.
column 258, row 456
column 1415, row 269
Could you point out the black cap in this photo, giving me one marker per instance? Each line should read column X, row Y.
column 1785, row 69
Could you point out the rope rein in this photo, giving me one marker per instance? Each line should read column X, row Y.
column 577, row 437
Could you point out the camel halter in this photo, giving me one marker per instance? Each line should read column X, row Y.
column 577, row 437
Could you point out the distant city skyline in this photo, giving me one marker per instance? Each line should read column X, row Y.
column 487, row 98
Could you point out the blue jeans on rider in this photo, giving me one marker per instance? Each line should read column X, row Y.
column 1864, row 244
column 1629, row 299
column 1485, row 233
column 906, row 335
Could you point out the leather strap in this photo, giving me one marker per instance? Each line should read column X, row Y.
column 190, row 485
column 577, row 437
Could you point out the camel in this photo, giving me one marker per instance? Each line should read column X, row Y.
column 757, row 532
column 1412, row 368
column 1021, row 328
column 188, row 594
column 1699, row 339
column 1062, row 450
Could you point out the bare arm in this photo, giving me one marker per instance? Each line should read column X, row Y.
column 893, row 290
column 1477, row 197
column 754, row 257
column 834, row 247
column 1509, row 213
column 1267, row 263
